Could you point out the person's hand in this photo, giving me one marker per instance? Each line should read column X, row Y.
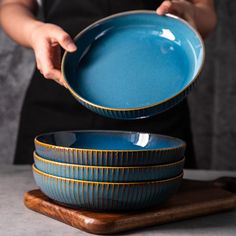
column 181, row 8
column 198, row 13
column 46, row 41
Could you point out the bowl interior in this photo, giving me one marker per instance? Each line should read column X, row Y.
column 110, row 140
column 133, row 60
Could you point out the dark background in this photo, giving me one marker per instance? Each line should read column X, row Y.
column 212, row 103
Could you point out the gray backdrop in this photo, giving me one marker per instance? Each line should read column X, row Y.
column 212, row 103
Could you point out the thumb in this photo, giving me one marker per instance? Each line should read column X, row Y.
column 164, row 8
column 180, row 8
column 65, row 40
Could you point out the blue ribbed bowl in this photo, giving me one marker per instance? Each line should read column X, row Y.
column 106, row 196
column 134, row 64
column 109, row 148
column 107, row 173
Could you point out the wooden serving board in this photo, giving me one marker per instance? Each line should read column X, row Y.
column 195, row 198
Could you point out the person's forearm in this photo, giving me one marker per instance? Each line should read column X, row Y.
column 205, row 16
column 18, row 20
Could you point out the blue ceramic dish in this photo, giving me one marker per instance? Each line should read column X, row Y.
column 134, row 64
column 108, row 173
column 109, row 148
column 106, row 196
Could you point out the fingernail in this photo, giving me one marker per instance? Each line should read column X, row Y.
column 71, row 47
column 160, row 12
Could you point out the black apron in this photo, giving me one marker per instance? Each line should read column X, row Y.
column 50, row 107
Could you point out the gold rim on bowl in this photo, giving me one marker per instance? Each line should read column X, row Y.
column 37, row 142
column 36, row 156
column 106, row 183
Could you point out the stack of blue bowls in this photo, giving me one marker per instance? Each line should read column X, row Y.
column 139, row 65
column 108, row 170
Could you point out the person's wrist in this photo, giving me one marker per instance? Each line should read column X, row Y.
column 33, row 27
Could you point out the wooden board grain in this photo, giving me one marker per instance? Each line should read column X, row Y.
column 195, row 198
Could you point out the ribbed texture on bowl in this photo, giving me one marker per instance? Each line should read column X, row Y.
column 109, row 174
column 106, row 196
column 139, row 113
column 108, row 158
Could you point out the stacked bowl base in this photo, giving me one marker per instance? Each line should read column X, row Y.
column 108, row 170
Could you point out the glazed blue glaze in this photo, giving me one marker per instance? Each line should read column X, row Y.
column 109, row 148
column 109, row 174
column 110, row 140
column 106, row 196
column 129, row 65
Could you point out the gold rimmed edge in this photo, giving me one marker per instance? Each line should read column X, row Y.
column 106, row 183
column 138, row 108
column 182, row 145
column 36, row 156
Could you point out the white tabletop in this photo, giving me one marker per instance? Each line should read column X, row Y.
column 16, row 219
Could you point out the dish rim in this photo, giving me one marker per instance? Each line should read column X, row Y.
column 158, row 166
column 180, row 176
column 37, row 142
column 76, row 95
